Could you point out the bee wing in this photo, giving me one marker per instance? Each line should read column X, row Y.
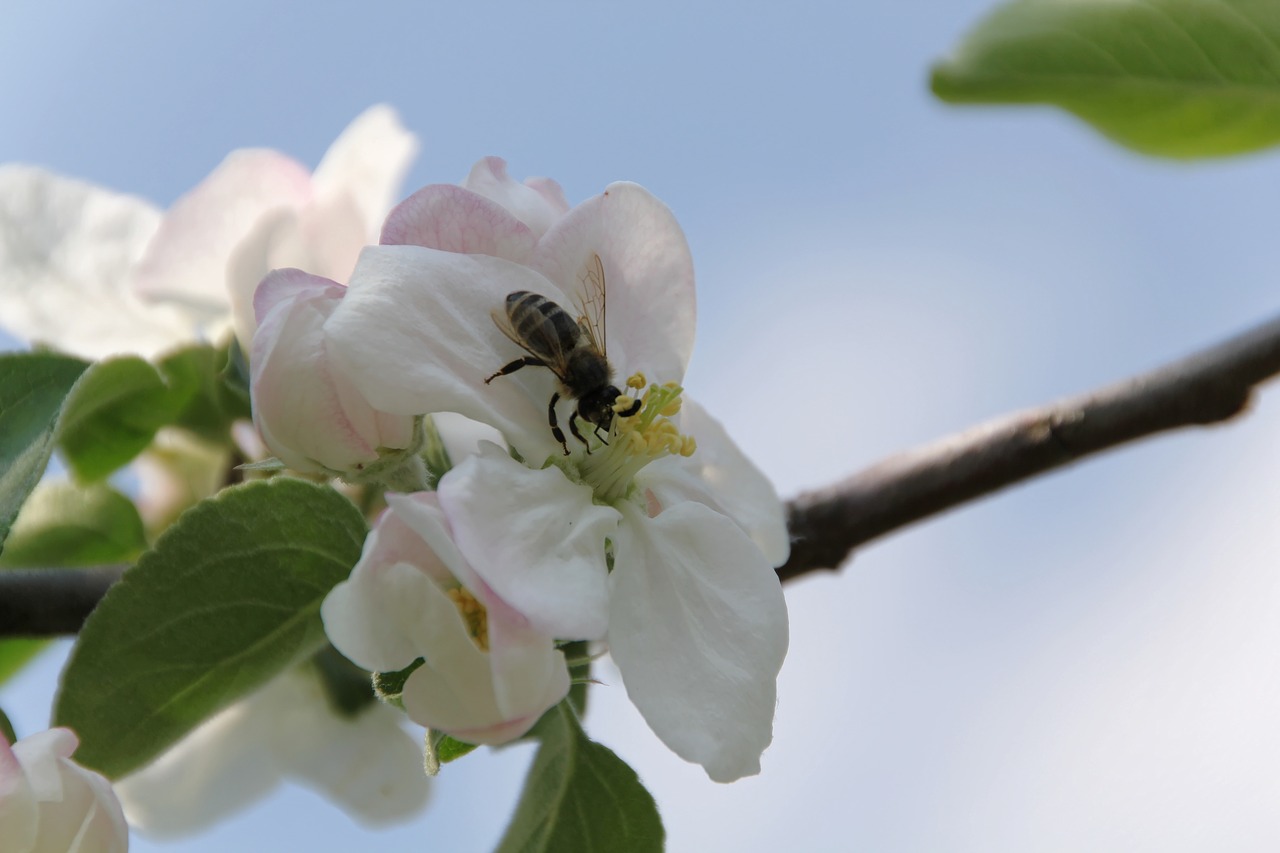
column 551, row 353
column 591, row 305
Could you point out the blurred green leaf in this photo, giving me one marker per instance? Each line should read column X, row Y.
column 112, row 415
column 229, row 597
column 17, row 652
column 6, row 729
column 207, row 403
column 33, row 388
column 579, row 796
column 64, row 525
column 1176, row 78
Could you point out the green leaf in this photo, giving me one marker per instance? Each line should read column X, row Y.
column 228, row 598
column 206, row 403
column 17, row 652
column 580, row 796
column 33, row 387
column 113, row 414
column 65, row 525
column 1176, row 78
column 348, row 688
column 6, row 729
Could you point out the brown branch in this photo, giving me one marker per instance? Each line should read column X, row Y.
column 827, row 524
column 49, row 602
column 1209, row 387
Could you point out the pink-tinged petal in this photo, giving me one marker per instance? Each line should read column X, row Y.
column 367, row 164
column 78, row 811
column 648, row 273
column 223, row 766
column 365, row 763
column 187, row 258
column 719, row 475
column 383, row 615
column 538, row 205
column 536, row 538
column 379, row 617
column 324, row 238
column 416, row 329
column 67, row 250
column 310, row 413
column 453, row 219
column 698, row 628
column 19, row 811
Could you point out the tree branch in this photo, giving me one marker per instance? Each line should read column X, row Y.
column 826, row 525
column 1209, row 387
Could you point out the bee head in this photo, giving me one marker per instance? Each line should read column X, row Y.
column 597, row 407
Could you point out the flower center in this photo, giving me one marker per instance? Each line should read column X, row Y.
column 636, row 441
column 474, row 614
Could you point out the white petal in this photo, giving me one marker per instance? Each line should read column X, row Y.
column 19, row 812
column 221, row 767
column 719, row 475
column 698, row 628
column 537, row 206
column 67, row 250
column 367, row 163
column 187, row 259
column 454, row 219
column 648, row 273
column 535, row 537
column 462, row 436
column 366, row 763
column 416, row 331
column 384, row 616
column 77, row 810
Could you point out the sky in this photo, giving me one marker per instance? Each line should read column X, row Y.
column 1087, row 661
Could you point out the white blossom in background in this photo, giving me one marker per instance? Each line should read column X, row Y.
column 664, row 551
column 366, row 764
column 94, row 273
column 97, row 273
column 50, row 804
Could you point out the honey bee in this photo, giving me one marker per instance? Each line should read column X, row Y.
column 574, row 350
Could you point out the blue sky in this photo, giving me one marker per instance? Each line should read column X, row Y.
column 1085, row 662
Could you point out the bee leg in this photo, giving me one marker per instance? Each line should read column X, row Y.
column 573, row 428
column 555, row 425
column 604, row 437
column 527, row 361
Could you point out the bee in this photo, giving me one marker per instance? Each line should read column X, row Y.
column 574, row 350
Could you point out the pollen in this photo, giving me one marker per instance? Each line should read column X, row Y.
column 473, row 614
column 637, row 440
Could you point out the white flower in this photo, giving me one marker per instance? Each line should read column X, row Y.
column 309, row 412
column 95, row 273
column 288, row 730
column 691, row 608
column 50, row 804
column 487, row 675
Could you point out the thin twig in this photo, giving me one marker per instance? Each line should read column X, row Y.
column 1209, row 387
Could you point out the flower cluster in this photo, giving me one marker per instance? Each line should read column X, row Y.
column 647, row 529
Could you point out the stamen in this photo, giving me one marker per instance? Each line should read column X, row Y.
column 637, row 440
column 637, row 381
column 474, row 614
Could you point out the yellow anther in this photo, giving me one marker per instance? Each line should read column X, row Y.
column 671, row 408
column 622, row 403
column 637, row 381
column 473, row 614
column 688, row 445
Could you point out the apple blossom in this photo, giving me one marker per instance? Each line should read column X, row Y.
column 486, row 674
column 50, row 804
column 309, row 412
column 664, row 552
column 287, row 730
column 94, row 273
